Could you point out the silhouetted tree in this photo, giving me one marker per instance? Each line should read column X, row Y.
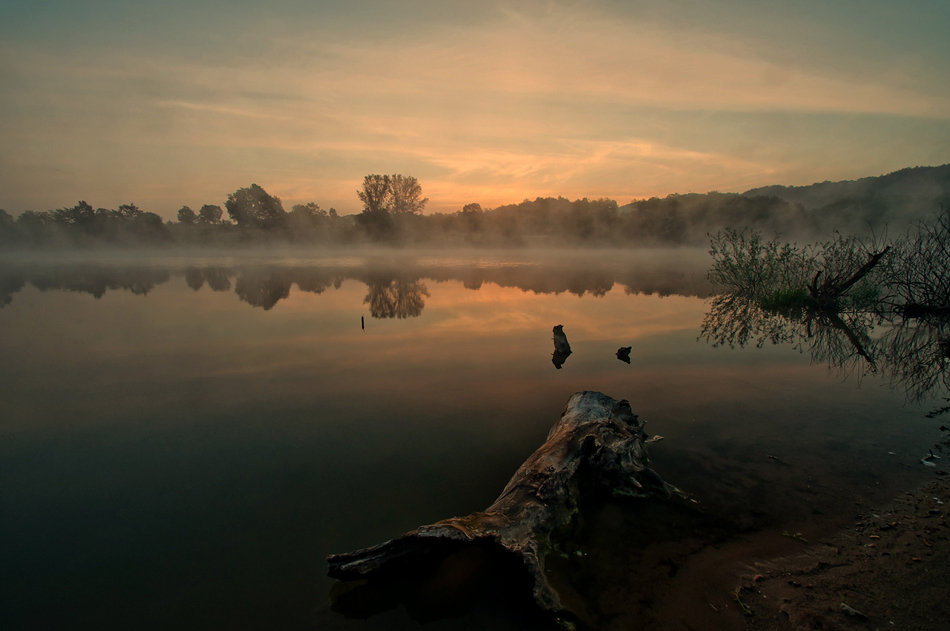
column 80, row 216
column 309, row 210
column 307, row 221
column 405, row 195
column 149, row 227
column 7, row 227
column 210, row 214
column 375, row 193
column 34, row 227
column 129, row 212
column 252, row 207
column 187, row 216
column 375, row 218
column 920, row 275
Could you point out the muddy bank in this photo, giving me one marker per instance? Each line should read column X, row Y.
column 891, row 569
column 861, row 558
column 891, row 565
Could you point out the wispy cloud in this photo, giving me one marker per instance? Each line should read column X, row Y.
column 551, row 98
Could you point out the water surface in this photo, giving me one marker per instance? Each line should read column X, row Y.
column 184, row 440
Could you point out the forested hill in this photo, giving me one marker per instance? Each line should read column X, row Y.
column 393, row 215
column 895, row 199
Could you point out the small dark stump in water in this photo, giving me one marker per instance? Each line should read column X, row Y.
column 623, row 353
column 560, row 340
column 562, row 349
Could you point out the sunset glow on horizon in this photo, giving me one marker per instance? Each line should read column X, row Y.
column 181, row 103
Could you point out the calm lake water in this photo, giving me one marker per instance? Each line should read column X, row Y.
column 184, row 440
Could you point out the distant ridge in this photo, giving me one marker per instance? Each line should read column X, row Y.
column 896, row 199
column 889, row 203
column 924, row 182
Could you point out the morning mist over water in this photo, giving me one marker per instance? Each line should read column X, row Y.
column 534, row 316
column 221, row 425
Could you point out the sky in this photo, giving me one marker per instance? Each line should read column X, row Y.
column 165, row 103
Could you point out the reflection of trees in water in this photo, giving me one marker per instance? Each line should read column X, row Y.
column 735, row 321
column 843, row 341
column 316, row 280
column 9, row 285
column 919, row 357
column 396, row 298
column 218, row 278
column 912, row 354
column 260, row 290
column 97, row 280
column 266, row 287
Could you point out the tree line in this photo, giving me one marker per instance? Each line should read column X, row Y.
column 392, row 213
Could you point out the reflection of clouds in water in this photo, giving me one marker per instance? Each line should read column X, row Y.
column 911, row 354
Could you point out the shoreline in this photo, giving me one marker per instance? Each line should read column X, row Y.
column 891, row 569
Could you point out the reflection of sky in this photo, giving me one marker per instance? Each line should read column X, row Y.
column 492, row 102
column 190, row 431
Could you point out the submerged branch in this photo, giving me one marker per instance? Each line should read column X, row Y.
column 827, row 296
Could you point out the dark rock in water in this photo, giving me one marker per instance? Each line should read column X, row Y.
column 623, row 353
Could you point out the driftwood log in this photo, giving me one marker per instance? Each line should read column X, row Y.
column 596, row 445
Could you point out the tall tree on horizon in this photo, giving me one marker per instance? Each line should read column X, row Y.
column 187, row 216
column 405, row 195
column 375, row 193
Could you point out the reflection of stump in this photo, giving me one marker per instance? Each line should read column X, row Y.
column 597, row 443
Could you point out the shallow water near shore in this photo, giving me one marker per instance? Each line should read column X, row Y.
column 184, row 440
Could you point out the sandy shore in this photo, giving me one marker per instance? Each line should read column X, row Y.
column 887, row 568
column 891, row 570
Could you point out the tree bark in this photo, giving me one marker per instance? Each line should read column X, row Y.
column 597, row 442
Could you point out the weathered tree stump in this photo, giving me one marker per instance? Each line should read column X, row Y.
column 597, row 444
column 623, row 353
column 562, row 349
column 561, row 344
